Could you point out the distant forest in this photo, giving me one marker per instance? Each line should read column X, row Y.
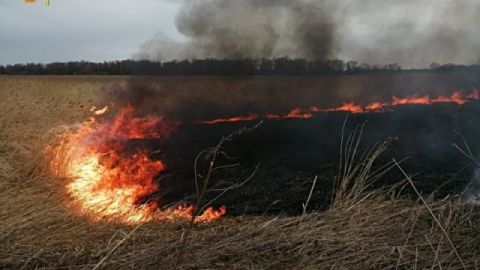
column 280, row 66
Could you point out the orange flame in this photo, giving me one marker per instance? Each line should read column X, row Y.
column 108, row 184
column 457, row 97
column 249, row 117
column 376, row 106
column 348, row 107
column 298, row 113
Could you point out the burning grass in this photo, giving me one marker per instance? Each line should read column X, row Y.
column 363, row 229
column 108, row 184
column 458, row 97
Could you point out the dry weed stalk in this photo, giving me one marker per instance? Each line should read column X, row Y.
column 203, row 181
column 356, row 173
column 210, row 155
column 431, row 213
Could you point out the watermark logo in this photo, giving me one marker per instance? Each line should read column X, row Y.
column 47, row 2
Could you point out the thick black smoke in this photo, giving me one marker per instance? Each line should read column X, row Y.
column 413, row 33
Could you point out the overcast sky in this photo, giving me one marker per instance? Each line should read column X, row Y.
column 94, row 30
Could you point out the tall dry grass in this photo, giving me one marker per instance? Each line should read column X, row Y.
column 363, row 229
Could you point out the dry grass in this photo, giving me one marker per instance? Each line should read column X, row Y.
column 362, row 230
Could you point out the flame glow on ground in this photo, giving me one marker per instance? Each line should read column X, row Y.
column 457, row 97
column 106, row 183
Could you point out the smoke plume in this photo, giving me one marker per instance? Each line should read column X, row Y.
column 248, row 28
column 413, row 33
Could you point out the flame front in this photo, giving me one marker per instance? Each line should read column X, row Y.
column 107, row 183
column 458, row 97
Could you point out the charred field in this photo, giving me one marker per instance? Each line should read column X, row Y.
column 348, row 219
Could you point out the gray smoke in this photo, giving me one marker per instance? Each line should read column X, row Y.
column 248, row 28
column 413, row 33
column 471, row 195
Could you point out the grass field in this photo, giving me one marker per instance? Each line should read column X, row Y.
column 361, row 230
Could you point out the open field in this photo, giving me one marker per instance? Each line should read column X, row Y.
column 362, row 229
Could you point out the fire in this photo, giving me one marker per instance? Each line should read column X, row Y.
column 458, row 97
column 349, row 107
column 249, row 117
column 106, row 182
column 298, row 113
column 410, row 100
column 376, row 106
column 100, row 196
column 186, row 212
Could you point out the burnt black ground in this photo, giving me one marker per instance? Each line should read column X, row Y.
column 291, row 152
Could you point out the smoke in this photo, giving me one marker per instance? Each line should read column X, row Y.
column 413, row 33
column 248, row 28
column 471, row 195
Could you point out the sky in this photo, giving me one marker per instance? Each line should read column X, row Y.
column 71, row 30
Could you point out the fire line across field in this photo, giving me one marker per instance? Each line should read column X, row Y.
column 102, row 167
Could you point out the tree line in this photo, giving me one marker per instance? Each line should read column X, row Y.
column 280, row 66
